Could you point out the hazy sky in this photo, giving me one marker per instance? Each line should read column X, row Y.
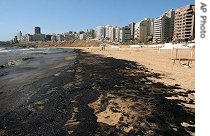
column 58, row 16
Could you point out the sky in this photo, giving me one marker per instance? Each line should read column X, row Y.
column 59, row 16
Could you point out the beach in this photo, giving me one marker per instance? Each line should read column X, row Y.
column 85, row 91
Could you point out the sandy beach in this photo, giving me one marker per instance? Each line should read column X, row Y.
column 159, row 62
column 177, row 75
column 120, row 91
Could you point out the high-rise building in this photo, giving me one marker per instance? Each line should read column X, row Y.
column 125, row 34
column 37, row 30
column 100, row 33
column 132, row 27
column 90, row 34
column 146, row 29
column 15, row 39
column 19, row 34
column 184, row 24
column 48, row 37
column 107, row 36
column 137, row 31
column 164, row 27
column 112, row 33
column 117, row 34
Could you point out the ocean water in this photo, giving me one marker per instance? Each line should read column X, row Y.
column 13, row 55
column 22, row 70
column 18, row 61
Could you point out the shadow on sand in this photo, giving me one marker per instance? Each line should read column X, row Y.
column 64, row 110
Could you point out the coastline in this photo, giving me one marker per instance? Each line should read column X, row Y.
column 111, row 92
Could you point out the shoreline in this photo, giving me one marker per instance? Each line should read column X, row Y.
column 157, row 62
column 110, row 92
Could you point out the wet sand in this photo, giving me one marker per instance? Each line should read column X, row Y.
column 93, row 94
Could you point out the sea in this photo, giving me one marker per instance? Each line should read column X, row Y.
column 16, row 59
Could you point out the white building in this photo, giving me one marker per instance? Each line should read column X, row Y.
column 19, row 34
column 82, row 36
column 137, row 31
column 26, row 38
column 59, row 37
column 112, row 34
column 100, row 33
column 125, row 34
column 164, row 27
column 117, row 34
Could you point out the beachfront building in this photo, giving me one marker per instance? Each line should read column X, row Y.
column 146, row 30
column 112, row 33
column 184, row 24
column 90, row 34
column 38, row 37
column 15, row 39
column 82, row 36
column 60, row 37
column 137, row 32
column 125, row 34
column 107, row 32
column 68, row 36
column 53, row 38
column 48, row 37
column 100, row 33
column 19, row 34
column 117, row 34
column 132, row 27
column 164, row 27
column 37, row 30
column 26, row 38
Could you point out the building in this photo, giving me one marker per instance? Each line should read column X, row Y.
column 132, row 27
column 137, row 32
column 164, row 27
column 38, row 37
column 184, row 24
column 15, row 39
column 146, row 30
column 48, row 37
column 37, row 30
column 117, row 34
column 125, row 34
column 69, row 36
column 107, row 32
column 26, row 38
column 19, row 34
column 59, row 37
column 82, row 36
column 100, row 33
column 112, row 33
column 53, row 38
column 90, row 34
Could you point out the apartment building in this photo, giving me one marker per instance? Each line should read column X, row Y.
column 90, row 34
column 100, row 32
column 132, row 27
column 112, row 33
column 146, row 30
column 26, row 38
column 125, row 34
column 137, row 31
column 107, row 36
column 164, row 27
column 184, row 23
column 37, row 30
column 117, row 34
column 19, row 34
